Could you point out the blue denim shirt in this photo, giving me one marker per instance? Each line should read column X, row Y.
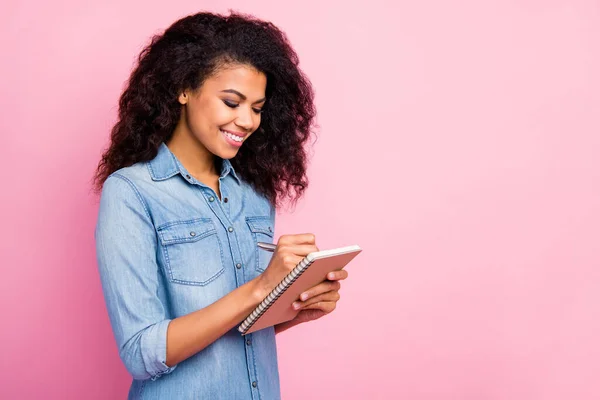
column 168, row 246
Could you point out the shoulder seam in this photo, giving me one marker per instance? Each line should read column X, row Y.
column 137, row 193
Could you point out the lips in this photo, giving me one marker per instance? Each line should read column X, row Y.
column 238, row 134
column 233, row 138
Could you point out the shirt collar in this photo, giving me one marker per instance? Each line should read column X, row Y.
column 227, row 168
column 165, row 165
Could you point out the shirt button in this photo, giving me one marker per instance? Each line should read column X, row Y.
column 254, row 384
column 211, row 199
column 192, row 233
column 230, row 229
column 238, row 265
column 248, row 342
column 225, row 199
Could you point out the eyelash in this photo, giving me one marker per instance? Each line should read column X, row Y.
column 233, row 105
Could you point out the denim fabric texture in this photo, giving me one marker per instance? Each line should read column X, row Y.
column 167, row 246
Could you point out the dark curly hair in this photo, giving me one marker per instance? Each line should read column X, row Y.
column 273, row 160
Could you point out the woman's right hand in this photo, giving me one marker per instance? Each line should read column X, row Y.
column 291, row 249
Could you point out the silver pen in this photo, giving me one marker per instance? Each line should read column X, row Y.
column 267, row 246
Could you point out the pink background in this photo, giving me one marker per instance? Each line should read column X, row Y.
column 459, row 147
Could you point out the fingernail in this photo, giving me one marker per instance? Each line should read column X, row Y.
column 304, row 296
column 331, row 275
column 296, row 305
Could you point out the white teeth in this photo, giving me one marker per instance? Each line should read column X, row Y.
column 233, row 137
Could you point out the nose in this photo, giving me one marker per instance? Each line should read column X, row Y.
column 245, row 119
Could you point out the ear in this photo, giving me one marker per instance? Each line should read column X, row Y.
column 183, row 97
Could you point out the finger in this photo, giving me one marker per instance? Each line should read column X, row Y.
column 310, row 315
column 325, row 306
column 303, row 238
column 322, row 287
column 328, row 296
column 298, row 249
column 291, row 260
column 337, row 275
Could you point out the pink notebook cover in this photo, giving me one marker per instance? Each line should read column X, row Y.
column 279, row 309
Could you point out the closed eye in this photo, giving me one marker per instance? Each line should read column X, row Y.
column 236, row 105
column 230, row 104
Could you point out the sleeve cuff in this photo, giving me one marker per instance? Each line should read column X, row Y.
column 154, row 350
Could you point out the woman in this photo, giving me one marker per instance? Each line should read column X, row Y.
column 209, row 141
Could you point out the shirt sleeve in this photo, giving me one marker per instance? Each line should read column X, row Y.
column 126, row 248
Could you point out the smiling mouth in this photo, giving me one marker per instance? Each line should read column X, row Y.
column 231, row 136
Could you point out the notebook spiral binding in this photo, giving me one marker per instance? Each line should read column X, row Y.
column 274, row 295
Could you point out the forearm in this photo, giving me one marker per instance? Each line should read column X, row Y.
column 191, row 333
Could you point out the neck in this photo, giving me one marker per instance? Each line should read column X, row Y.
column 192, row 154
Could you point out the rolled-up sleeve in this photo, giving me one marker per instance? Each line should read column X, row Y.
column 126, row 248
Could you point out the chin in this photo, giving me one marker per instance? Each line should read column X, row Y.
column 227, row 154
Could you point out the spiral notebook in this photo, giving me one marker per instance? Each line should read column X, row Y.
column 312, row 270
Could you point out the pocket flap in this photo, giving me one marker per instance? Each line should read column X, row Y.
column 186, row 231
column 260, row 225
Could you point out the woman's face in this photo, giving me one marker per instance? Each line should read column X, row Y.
column 226, row 109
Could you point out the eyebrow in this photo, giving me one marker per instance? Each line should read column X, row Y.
column 242, row 96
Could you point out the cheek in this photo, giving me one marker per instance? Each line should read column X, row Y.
column 195, row 122
column 205, row 117
column 217, row 115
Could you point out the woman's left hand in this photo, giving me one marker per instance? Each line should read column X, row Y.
column 317, row 301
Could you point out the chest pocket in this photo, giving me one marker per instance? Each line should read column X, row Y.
column 262, row 231
column 192, row 251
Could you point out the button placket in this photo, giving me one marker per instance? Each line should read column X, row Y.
column 252, row 368
column 225, row 201
column 221, row 207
